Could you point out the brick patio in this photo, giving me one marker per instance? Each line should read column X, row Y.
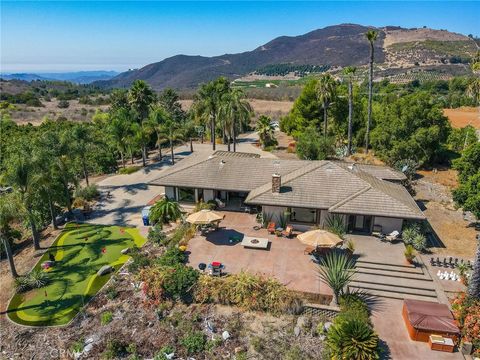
column 284, row 259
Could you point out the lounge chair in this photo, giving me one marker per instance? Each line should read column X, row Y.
column 288, row 231
column 220, row 203
column 271, row 227
column 394, row 235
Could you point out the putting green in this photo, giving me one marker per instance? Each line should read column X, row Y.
column 80, row 251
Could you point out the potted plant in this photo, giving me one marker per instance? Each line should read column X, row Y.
column 409, row 254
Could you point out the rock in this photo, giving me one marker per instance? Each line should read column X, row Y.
column 225, row 335
column 327, row 326
column 169, row 356
column 125, row 251
column 239, row 349
column 301, row 322
column 87, row 348
column 296, row 331
column 211, row 327
column 106, row 269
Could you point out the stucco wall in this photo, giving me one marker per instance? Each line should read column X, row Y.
column 388, row 224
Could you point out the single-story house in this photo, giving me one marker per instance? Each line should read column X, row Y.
column 299, row 192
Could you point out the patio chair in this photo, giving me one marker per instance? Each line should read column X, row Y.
column 394, row 235
column 288, row 232
column 432, row 261
column 271, row 227
column 220, row 203
column 445, row 264
column 438, row 262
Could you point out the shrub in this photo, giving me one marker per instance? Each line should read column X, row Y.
column 353, row 306
column 157, row 236
column 419, row 242
column 111, row 292
column 106, row 317
column 408, row 235
column 336, row 225
column 182, row 234
column 33, row 280
column 194, row 342
column 352, row 339
column 138, row 260
column 88, row 192
column 172, row 257
column 466, row 311
column 129, row 170
column 409, row 253
column 164, row 351
column 210, row 205
column 115, row 349
column 179, row 282
column 248, row 291
column 165, row 211
column 77, row 346
column 313, row 146
column 63, row 104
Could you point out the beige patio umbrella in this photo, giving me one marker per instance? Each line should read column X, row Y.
column 204, row 217
column 321, row 238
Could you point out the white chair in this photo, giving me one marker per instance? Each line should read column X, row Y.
column 394, row 235
column 220, row 203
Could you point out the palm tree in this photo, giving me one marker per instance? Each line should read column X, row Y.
column 326, row 89
column 336, row 270
column 140, row 98
column 349, row 71
column 207, row 104
column 236, row 112
column 119, row 130
column 265, row 130
column 158, row 117
column 171, row 131
column 371, row 36
column 474, row 281
column 165, row 211
column 9, row 211
column 21, row 175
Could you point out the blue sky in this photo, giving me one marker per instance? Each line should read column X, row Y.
column 44, row 36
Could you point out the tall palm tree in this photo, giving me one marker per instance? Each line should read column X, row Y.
column 326, row 89
column 140, row 98
column 9, row 211
column 371, row 36
column 171, row 131
column 474, row 281
column 20, row 174
column 236, row 112
column 336, row 270
column 158, row 117
column 207, row 104
column 349, row 71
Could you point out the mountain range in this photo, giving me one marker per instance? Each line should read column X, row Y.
column 78, row 77
column 397, row 50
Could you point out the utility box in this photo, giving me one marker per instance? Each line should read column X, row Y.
column 145, row 215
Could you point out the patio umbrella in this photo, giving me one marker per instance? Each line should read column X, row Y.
column 204, row 217
column 322, row 238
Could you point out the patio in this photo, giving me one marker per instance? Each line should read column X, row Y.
column 283, row 259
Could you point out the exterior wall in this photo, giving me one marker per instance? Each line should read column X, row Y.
column 388, row 224
column 170, row 192
column 208, row 195
column 274, row 212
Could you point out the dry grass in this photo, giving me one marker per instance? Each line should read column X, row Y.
column 463, row 116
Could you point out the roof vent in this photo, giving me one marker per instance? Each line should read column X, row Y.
column 222, row 162
column 352, row 167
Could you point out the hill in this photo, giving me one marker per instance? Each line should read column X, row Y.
column 396, row 50
column 77, row 77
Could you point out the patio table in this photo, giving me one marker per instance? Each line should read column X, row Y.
column 253, row 242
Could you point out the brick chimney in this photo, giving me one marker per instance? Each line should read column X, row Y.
column 276, row 183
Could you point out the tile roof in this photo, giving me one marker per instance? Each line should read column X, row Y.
column 332, row 185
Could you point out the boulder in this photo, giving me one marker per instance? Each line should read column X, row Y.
column 296, row 331
column 225, row 335
column 105, row 269
column 125, row 251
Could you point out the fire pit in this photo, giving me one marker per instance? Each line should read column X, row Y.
column 259, row 243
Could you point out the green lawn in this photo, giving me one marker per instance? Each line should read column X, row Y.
column 80, row 251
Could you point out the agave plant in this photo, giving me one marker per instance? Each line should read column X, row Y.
column 165, row 211
column 336, row 270
column 336, row 225
column 352, row 339
column 33, row 280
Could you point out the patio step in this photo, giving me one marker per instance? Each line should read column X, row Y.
column 399, row 296
column 389, row 273
column 395, row 268
column 394, row 290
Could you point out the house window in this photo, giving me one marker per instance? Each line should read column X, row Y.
column 303, row 215
column 186, row 194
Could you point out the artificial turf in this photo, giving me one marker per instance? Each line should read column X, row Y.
column 80, row 251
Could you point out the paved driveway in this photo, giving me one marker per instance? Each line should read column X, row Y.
column 130, row 193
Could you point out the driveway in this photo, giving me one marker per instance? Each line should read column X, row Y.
column 128, row 194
